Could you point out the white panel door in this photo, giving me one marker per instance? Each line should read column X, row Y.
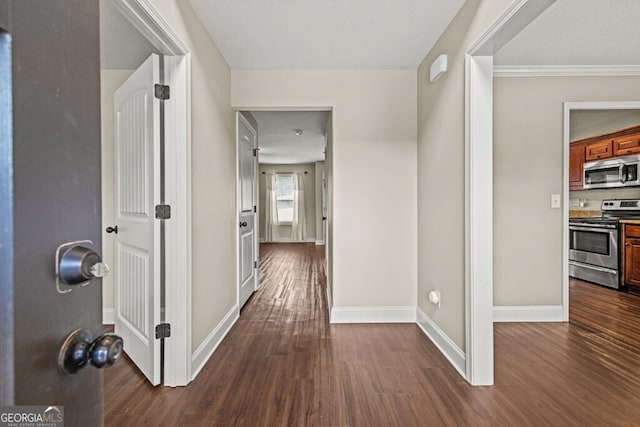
column 137, row 191
column 248, row 277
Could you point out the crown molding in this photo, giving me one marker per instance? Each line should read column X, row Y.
column 566, row 70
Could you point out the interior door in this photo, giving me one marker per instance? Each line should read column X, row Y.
column 50, row 185
column 137, row 192
column 247, row 159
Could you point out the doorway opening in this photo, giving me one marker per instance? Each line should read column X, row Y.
column 601, row 273
column 138, row 27
column 291, row 191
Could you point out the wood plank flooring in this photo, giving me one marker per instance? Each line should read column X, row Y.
column 283, row 364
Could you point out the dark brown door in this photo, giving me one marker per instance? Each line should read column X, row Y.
column 55, row 196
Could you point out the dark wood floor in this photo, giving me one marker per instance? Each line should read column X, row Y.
column 283, row 364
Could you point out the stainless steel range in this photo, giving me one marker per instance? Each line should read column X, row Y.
column 593, row 243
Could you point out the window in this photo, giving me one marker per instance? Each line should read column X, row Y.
column 284, row 197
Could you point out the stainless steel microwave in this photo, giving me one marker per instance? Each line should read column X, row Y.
column 612, row 173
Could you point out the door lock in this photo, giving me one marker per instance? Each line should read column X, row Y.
column 113, row 229
column 76, row 264
column 80, row 349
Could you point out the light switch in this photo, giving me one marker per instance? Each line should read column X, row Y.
column 555, row 201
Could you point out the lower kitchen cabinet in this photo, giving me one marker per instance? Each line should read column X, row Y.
column 631, row 257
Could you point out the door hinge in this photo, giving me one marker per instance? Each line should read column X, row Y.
column 163, row 211
column 255, row 152
column 162, row 91
column 255, row 210
column 163, row 330
column 255, row 264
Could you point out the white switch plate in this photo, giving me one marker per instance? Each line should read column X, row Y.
column 555, row 201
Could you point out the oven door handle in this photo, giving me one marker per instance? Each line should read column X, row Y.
column 591, row 227
column 593, row 267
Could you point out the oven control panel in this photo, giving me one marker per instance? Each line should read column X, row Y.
column 620, row 205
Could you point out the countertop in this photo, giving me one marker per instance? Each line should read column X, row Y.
column 630, row 221
column 584, row 214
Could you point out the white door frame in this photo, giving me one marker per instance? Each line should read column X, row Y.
column 256, row 225
column 177, row 69
column 568, row 107
column 479, row 185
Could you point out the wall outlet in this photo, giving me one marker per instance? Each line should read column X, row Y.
column 434, row 297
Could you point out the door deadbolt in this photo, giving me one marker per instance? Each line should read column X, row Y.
column 77, row 264
column 80, row 349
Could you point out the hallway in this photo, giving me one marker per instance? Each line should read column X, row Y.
column 283, row 364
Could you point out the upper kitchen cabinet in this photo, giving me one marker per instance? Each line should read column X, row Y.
column 599, row 150
column 626, row 145
column 576, row 160
column 620, row 143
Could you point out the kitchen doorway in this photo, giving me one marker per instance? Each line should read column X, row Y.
column 598, row 287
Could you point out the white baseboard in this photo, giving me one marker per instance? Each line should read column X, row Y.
column 329, row 300
column 209, row 345
column 441, row 340
column 528, row 313
column 108, row 316
column 288, row 240
column 319, row 242
column 373, row 314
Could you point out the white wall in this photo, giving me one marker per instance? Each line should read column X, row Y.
column 309, row 197
column 527, row 170
column 373, row 171
column 110, row 80
column 213, row 173
column 441, row 169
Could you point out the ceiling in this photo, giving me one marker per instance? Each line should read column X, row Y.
column 342, row 34
column 325, row 34
column 278, row 141
column 578, row 32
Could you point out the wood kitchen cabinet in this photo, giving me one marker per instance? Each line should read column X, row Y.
column 631, row 257
column 599, row 150
column 623, row 142
column 626, row 145
column 576, row 160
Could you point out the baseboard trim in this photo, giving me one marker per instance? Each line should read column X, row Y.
column 209, row 345
column 447, row 347
column 528, row 313
column 329, row 300
column 319, row 242
column 373, row 315
column 108, row 316
column 288, row 240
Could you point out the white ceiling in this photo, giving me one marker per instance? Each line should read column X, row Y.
column 578, row 32
column 278, row 141
column 121, row 46
column 325, row 34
